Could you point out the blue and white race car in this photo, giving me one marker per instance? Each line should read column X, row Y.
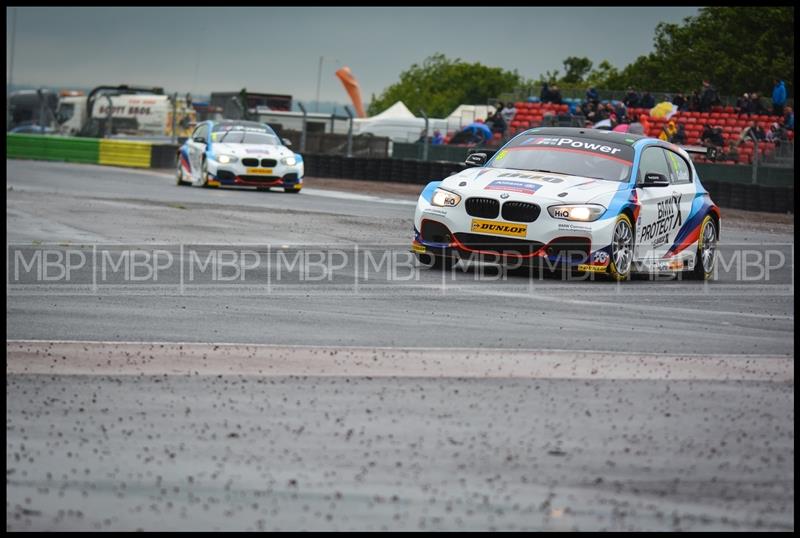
column 583, row 199
column 242, row 153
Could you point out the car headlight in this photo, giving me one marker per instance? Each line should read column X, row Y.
column 443, row 198
column 290, row 161
column 578, row 212
column 225, row 159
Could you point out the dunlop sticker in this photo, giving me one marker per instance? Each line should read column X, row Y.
column 499, row 228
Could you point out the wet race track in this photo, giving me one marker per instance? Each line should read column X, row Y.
column 331, row 383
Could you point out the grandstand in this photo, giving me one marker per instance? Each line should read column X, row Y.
column 536, row 114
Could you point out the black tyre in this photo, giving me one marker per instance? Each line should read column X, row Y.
column 706, row 251
column 204, row 173
column 619, row 268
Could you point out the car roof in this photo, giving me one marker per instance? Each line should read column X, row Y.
column 243, row 123
column 627, row 139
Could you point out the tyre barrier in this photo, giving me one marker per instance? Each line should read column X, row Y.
column 112, row 152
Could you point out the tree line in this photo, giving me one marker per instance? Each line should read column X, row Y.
column 738, row 49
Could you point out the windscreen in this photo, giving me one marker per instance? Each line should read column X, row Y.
column 244, row 134
column 571, row 155
column 244, row 137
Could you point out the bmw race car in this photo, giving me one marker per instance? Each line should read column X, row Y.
column 582, row 199
column 242, row 153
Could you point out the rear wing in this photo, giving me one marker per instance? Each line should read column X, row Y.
column 709, row 153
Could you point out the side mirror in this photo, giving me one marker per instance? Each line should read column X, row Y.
column 475, row 159
column 654, row 179
column 286, row 142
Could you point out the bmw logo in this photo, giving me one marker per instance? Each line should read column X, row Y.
column 504, row 195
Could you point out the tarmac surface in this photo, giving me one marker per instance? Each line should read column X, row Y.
column 331, row 394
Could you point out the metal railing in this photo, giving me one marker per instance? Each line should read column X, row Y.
column 522, row 94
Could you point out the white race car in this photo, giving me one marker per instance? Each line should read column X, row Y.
column 242, row 153
column 589, row 200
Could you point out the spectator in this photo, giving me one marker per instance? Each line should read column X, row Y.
column 788, row 118
column 712, row 137
column 680, row 101
column 631, row 98
column 438, row 139
column 604, row 112
column 592, row 95
column 509, row 111
column 694, row 102
column 495, row 122
column 748, row 133
column 555, row 95
column 647, row 101
column 778, row 98
column 755, row 104
column 680, row 135
column 759, row 133
column 589, row 110
column 776, row 134
column 743, row 104
column 668, row 131
column 620, row 110
column 708, row 97
column 544, row 95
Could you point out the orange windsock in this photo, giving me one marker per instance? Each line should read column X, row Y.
column 351, row 85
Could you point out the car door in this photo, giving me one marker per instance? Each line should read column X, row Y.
column 660, row 212
column 197, row 147
column 682, row 185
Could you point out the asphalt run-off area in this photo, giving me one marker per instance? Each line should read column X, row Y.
column 182, row 358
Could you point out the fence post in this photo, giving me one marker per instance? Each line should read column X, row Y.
column 40, row 94
column 425, row 136
column 303, row 133
column 109, row 116
column 349, row 132
column 175, row 118
column 755, row 162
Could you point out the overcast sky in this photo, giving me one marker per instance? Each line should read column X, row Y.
column 278, row 49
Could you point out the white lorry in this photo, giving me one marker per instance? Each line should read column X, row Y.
column 139, row 114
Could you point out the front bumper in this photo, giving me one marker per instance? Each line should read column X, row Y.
column 290, row 177
column 450, row 232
